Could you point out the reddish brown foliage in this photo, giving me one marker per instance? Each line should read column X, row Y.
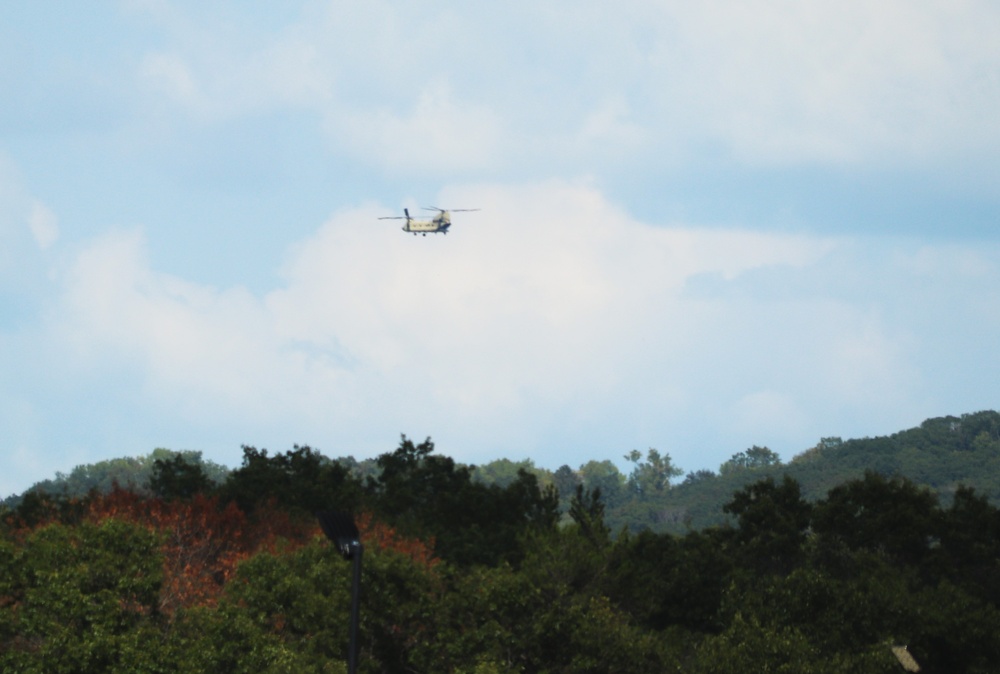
column 202, row 540
column 380, row 536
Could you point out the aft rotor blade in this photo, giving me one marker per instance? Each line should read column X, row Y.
column 393, row 217
column 464, row 210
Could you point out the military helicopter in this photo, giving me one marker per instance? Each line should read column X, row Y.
column 439, row 223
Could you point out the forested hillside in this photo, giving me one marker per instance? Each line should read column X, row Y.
column 467, row 575
column 942, row 454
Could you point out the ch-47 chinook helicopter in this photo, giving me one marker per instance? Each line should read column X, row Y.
column 439, row 223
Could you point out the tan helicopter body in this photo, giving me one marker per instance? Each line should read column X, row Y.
column 439, row 223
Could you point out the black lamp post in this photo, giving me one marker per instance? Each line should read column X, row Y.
column 341, row 530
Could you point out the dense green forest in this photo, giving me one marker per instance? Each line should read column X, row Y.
column 517, row 570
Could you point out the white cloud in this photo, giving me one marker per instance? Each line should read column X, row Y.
column 547, row 317
column 543, row 294
column 767, row 83
column 43, row 224
column 28, row 228
column 870, row 365
column 202, row 351
column 846, row 81
column 770, row 414
column 172, row 75
column 610, row 121
column 438, row 133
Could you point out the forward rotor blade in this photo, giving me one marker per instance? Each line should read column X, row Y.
column 464, row 210
column 393, row 217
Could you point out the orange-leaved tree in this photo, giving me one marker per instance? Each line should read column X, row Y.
column 378, row 535
column 202, row 539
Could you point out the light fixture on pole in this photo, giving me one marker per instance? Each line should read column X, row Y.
column 341, row 530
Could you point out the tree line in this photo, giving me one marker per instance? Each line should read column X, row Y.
column 653, row 492
column 465, row 575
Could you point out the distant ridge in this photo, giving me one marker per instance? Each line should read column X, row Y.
column 941, row 454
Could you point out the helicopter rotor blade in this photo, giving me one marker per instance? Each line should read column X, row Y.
column 393, row 217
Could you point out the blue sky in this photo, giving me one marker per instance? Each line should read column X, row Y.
column 704, row 226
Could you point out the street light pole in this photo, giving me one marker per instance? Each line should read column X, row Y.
column 352, row 653
column 341, row 530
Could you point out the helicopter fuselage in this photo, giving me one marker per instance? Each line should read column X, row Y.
column 438, row 224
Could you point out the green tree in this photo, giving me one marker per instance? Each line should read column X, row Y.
column 432, row 497
column 74, row 599
column 504, row 472
column 751, row 459
column 772, row 521
column 177, row 477
column 652, row 476
column 664, row 581
column 130, row 473
column 969, row 551
column 697, row 476
column 301, row 479
column 606, row 477
column 587, row 510
column 750, row 647
column 302, row 598
column 889, row 515
column 547, row 617
column 223, row 638
column 40, row 507
column 565, row 480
